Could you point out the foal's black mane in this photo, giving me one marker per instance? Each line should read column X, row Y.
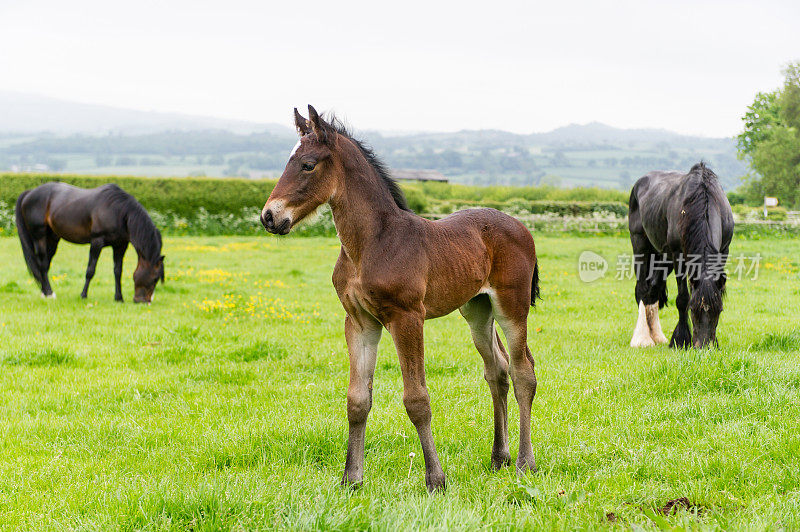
column 372, row 159
column 143, row 234
column 702, row 191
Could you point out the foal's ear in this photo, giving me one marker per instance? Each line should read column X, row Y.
column 322, row 129
column 301, row 123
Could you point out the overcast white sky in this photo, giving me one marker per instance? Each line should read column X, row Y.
column 688, row 66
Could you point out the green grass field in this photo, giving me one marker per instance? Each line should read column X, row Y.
column 222, row 405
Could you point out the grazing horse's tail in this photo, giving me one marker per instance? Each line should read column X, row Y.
column 26, row 240
column 535, row 284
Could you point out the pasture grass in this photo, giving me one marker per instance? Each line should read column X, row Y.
column 222, row 405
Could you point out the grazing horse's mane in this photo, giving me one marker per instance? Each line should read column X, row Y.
column 373, row 160
column 143, row 234
column 703, row 191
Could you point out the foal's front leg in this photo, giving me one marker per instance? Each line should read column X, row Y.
column 363, row 333
column 407, row 332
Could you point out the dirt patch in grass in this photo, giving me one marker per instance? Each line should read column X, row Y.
column 681, row 503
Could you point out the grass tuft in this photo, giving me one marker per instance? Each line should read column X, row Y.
column 12, row 287
column 678, row 373
column 264, row 350
column 780, row 341
column 45, row 356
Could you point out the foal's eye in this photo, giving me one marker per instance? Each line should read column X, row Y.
column 308, row 166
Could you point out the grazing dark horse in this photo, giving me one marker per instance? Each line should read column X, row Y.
column 680, row 222
column 396, row 269
column 102, row 216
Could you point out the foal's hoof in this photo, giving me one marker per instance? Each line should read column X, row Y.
column 526, row 464
column 501, row 460
column 435, row 481
column 351, row 481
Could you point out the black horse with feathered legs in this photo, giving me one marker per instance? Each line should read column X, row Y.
column 680, row 222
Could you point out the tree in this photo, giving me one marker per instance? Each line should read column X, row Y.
column 770, row 141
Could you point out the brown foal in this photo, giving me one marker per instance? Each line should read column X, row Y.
column 396, row 270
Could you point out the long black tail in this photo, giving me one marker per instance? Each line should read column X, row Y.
column 26, row 240
column 535, row 284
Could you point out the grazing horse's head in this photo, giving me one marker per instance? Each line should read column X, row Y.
column 147, row 274
column 705, row 306
column 309, row 179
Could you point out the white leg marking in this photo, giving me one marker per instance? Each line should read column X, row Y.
column 641, row 335
column 656, row 333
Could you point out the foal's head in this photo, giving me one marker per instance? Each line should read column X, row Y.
column 311, row 176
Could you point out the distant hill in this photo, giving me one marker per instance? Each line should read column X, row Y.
column 572, row 135
column 597, row 133
column 591, row 154
column 43, row 133
column 29, row 113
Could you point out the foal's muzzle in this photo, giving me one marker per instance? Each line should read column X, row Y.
column 278, row 227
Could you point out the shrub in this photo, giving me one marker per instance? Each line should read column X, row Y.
column 745, row 213
column 416, row 199
column 6, row 218
column 736, row 198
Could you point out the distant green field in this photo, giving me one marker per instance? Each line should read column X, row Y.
column 222, row 405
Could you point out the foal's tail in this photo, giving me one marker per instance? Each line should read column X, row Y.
column 535, row 284
column 26, row 240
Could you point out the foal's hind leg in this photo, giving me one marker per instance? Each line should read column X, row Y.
column 478, row 313
column 510, row 307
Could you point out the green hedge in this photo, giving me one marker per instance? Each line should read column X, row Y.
column 451, row 191
column 184, row 197
column 203, row 206
column 180, row 196
column 522, row 206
